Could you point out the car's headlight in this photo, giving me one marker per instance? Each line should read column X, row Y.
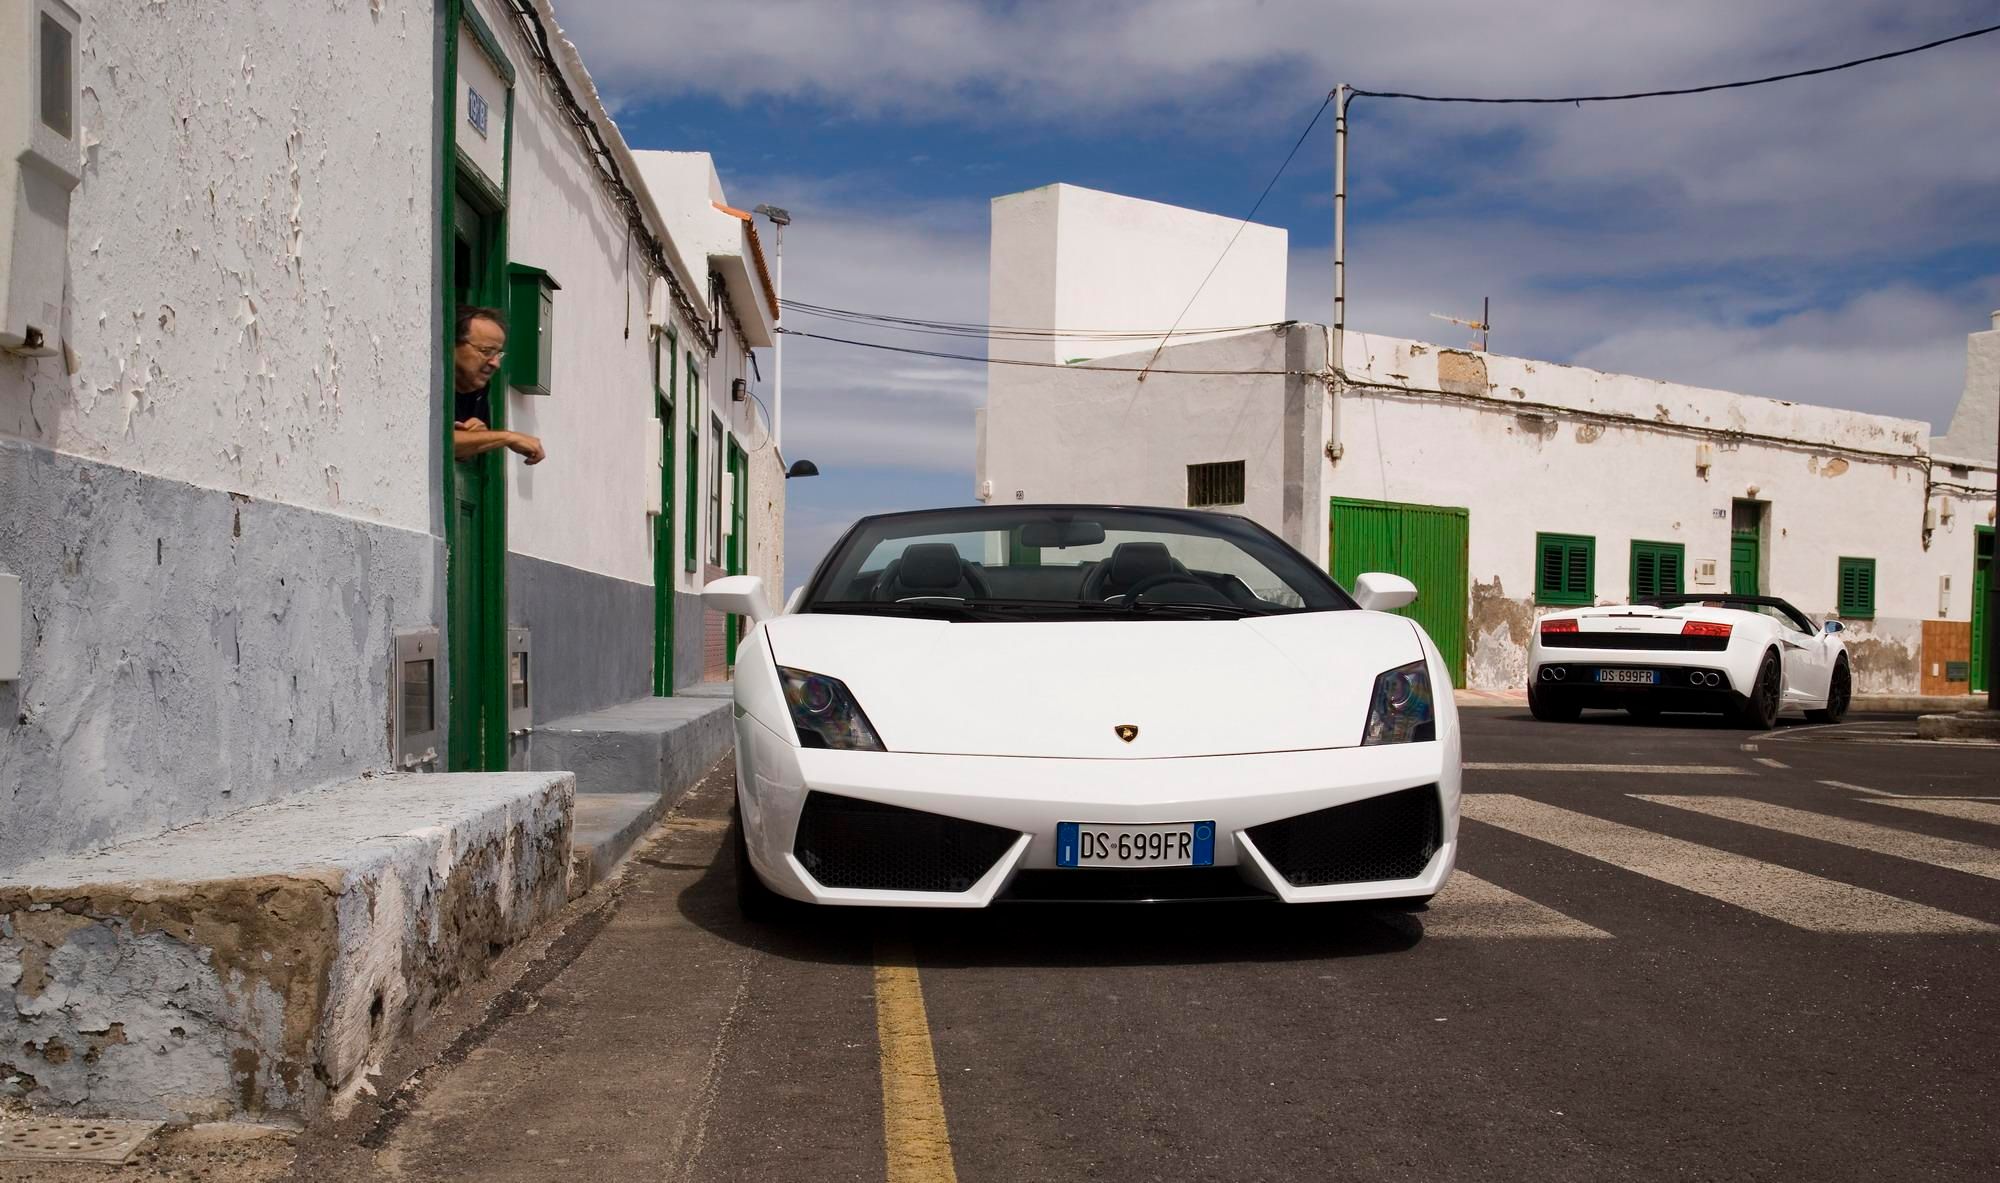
column 1401, row 709
column 825, row 714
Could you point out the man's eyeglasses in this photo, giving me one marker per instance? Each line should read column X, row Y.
column 488, row 352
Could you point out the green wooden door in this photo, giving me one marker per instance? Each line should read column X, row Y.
column 1982, row 582
column 1425, row 544
column 475, row 546
column 1743, row 574
column 664, row 371
column 738, row 555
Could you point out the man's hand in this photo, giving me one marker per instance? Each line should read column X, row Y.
column 528, row 446
column 470, row 438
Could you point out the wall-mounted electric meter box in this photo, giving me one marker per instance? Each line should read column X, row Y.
column 41, row 161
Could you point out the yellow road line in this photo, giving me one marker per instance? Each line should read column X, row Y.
column 913, row 1125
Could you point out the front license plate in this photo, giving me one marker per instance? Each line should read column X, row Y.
column 1174, row 844
column 1638, row 677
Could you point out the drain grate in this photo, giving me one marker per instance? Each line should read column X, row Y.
column 26, row 1138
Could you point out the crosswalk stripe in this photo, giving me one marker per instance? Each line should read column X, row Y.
column 1922, row 848
column 1972, row 811
column 1781, row 893
column 1471, row 907
column 1649, row 769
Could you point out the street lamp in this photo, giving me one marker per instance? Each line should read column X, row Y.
column 780, row 218
column 802, row 468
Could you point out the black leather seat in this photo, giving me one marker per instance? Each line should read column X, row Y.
column 930, row 569
column 1130, row 564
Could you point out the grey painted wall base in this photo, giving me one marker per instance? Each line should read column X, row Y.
column 687, row 639
column 592, row 635
column 187, row 652
column 650, row 745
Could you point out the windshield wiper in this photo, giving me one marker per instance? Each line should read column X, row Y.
column 939, row 607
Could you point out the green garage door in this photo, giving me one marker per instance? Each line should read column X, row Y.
column 1425, row 544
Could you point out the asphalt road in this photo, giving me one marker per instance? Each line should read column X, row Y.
column 1676, row 951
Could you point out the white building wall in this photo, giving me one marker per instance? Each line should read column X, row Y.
column 1082, row 434
column 1073, row 258
column 1621, row 474
column 585, row 506
column 250, row 257
column 220, row 503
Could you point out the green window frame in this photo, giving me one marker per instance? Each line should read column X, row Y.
column 1565, row 569
column 1658, row 569
column 1857, row 588
column 690, row 548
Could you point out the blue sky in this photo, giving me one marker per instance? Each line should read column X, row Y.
column 1829, row 240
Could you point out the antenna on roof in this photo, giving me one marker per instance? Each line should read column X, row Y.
column 1483, row 325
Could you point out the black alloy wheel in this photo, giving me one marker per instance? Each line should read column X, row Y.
column 1550, row 708
column 1839, row 692
column 1760, row 709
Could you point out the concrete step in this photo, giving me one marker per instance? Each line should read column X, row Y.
column 607, row 826
column 252, row 966
column 649, row 745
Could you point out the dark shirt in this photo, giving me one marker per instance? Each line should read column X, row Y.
column 475, row 404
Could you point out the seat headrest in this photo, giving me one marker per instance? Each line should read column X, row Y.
column 1134, row 561
column 931, row 566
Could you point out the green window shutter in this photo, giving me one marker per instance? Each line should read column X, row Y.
column 1565, row 569
column 690, row 553
column 1857, row 588
column 1656, row 568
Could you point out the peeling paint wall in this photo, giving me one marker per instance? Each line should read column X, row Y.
column 250, row 256
column 220, row 502
column 1563, row 466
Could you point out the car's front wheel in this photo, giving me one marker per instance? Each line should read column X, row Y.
column 1839, row 692
column 1759, row 710
column 1551, row 709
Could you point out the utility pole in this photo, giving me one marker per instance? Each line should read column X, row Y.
column 1341, row 94
column 779, row 220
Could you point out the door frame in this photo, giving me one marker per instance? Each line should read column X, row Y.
column 666, row 571
column 476, row 632
column 737, row 558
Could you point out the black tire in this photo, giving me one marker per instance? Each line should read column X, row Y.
column 1839, row 692
column 1551, row 709
column 1759, row 709
column 754, row 901
column 1644, row 712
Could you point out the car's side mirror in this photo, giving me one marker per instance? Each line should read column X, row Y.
column 1378, row 591
column 738, row 595
column 792, row 603
column 1834, row 626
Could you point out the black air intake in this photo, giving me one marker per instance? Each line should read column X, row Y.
column 844, row 842
column 1388, row 837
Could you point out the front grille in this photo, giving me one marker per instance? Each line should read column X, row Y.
column 1677, row 641
column 1118, row 885
column 844, row 842
column 1388, row 837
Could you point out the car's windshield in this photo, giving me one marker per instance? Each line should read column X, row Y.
column 1039, row 562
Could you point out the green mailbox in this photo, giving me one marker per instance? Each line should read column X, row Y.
column 531, row 328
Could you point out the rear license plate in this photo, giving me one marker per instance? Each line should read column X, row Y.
column 1638, row 677
column 1173, row 844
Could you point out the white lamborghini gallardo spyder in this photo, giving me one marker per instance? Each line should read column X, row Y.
column 1082, row 702
column 1749, row 657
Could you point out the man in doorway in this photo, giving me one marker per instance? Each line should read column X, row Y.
column 480, row 343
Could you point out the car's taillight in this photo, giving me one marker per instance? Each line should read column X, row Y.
column 1704, row 628
column 1558, row 626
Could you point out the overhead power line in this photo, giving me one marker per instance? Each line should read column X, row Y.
column 990, row 332
column 1045, row 365
column 1358, row 92
column 1254, row 207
